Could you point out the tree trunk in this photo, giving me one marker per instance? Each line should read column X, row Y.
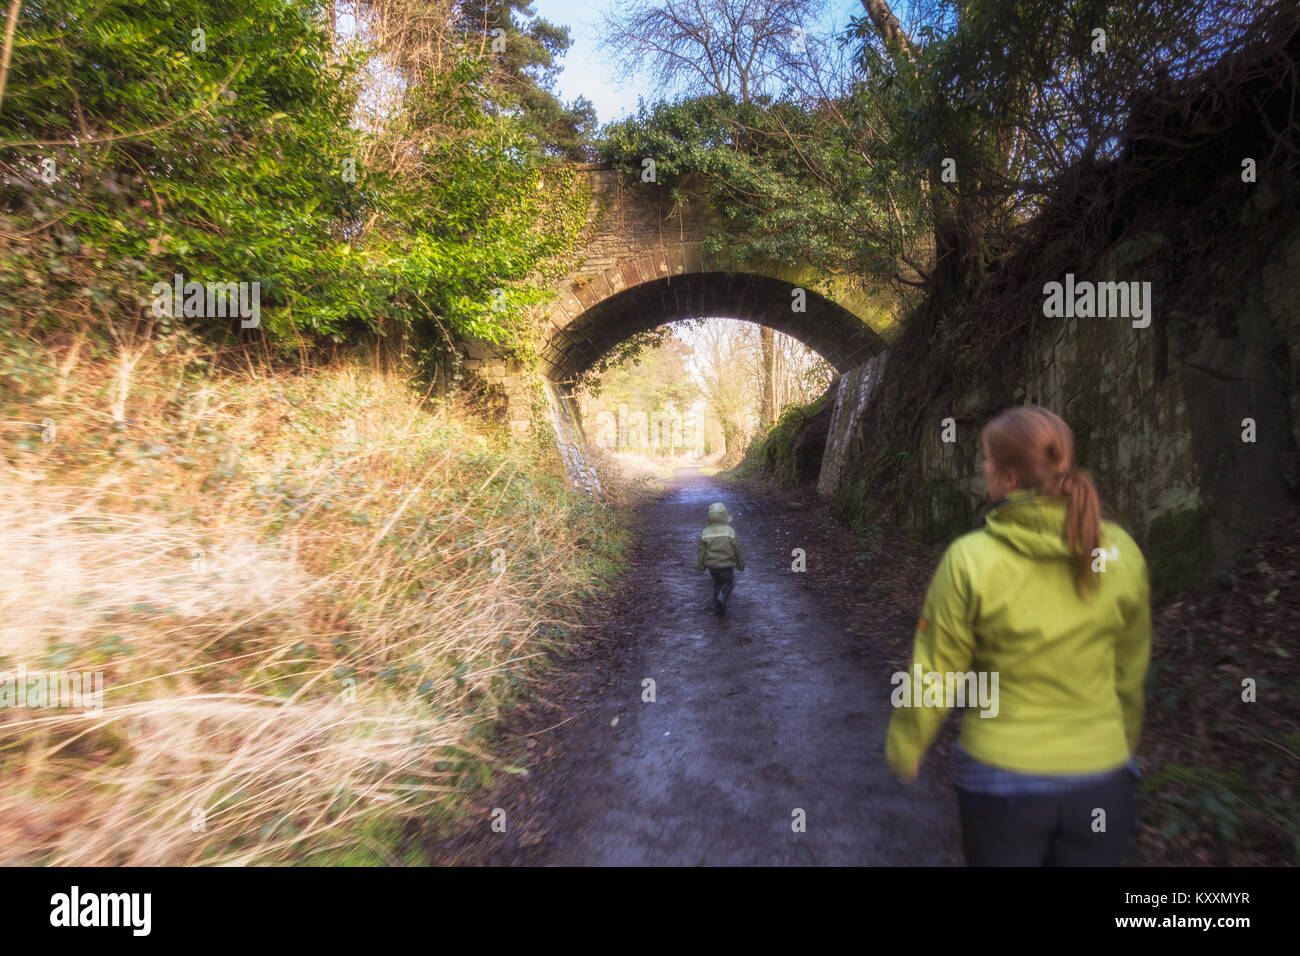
column 887, row 25
column 951, row 252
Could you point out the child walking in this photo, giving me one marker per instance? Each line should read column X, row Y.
column 719, row 551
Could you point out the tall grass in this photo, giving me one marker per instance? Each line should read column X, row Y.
column 310, row 595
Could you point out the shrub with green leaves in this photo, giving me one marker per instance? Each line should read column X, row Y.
column 141, row 139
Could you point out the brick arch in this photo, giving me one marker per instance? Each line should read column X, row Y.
column 630, row 298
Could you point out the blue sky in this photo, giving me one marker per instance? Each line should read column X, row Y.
column 589, row 73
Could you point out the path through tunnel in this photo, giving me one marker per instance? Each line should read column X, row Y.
column 767, row 716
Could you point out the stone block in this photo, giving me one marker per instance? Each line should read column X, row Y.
column 676, row 257
column 614, row 279
column 630, row 273
column 693, row 255
column 587, row 293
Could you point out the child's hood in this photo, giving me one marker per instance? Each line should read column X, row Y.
column 718, row 513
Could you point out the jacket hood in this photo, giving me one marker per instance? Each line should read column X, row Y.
column 1032, row 524
column 718, row 513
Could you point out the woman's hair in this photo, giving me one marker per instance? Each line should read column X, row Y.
column 1037, row 447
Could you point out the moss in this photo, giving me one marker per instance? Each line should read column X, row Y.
column 852, row 504
column 1178, row 551
column 1124, row 255
column 942, row 511
column 781, row 454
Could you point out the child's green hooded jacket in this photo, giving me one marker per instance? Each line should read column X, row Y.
column 719, row 546
column 1070, row 669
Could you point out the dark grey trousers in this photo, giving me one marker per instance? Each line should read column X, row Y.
column 724, row 579
column 1060, row 829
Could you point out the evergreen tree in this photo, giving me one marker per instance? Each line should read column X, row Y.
column 527, row 50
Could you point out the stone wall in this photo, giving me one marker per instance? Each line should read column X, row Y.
column 522, row 394
column 571, row 441
column 507, row 377
column 628, row 219
column 1157, row 412
column 643, row 261
column 851, row 395
column 1191, row 423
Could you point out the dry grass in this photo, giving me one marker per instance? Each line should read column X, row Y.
column 639, row 475
column 288, row 584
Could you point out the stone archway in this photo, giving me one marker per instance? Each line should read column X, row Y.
column 644, row 262
column 826, row 327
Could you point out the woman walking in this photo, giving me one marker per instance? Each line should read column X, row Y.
column 1055, row 602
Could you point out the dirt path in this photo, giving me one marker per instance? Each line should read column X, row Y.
column 774, row 708
column 783, row 704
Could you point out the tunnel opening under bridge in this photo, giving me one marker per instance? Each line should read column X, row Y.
column 843, row 339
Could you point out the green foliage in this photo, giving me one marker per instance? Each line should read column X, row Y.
column 1017, row 95
column 775, row 452
column 938, row 147
column 233, row 163
column 786, row 179
column 476, row 216
column 654, row 380
column 221, row 165
column 529, row 48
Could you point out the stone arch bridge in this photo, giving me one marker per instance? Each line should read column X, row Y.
column 642, row 262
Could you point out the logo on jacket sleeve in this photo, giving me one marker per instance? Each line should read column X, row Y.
column 1100, row 556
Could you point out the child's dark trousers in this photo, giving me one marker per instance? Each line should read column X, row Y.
column 724, row 579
